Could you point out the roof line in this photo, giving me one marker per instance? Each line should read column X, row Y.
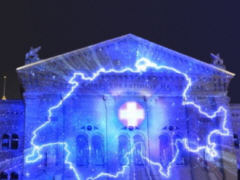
column 53, row 57
column 205, row 63
column 116, row 38
column 195, row 59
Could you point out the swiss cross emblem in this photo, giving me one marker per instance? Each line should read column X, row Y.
column 131, row 114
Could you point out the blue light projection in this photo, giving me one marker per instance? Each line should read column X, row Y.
column 118, row 173
column 141, row 66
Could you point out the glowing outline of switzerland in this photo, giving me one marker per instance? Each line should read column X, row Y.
column 141, row 66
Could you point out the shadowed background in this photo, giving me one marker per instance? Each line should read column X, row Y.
column 195, row 28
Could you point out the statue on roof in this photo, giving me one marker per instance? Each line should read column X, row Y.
column 217, row 60
column 32, row 55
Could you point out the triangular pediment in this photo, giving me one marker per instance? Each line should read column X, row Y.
column 121, row 51
column 117, row 53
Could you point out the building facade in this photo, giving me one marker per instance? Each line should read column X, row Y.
column 125, row 108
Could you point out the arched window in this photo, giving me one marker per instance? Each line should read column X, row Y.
column 5, row 141
column 49, row 157
column 82, row 150
column 139, row 151
column 97, row 150
column 14, row 141
column 166, row 149
column 14, row 176
column 45, row 159
column 3, row 176
column 181, row 159
column 123, row 148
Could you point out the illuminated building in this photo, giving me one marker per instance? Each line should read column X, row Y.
column 125, row 108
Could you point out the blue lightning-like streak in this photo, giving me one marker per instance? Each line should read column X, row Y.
column 118, row 173
column 141, row 66
column 165, row 173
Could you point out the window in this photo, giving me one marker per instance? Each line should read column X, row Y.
column 82, row 150
column 236, row 141
column 14, row 176
column 181, row 159
column 123, row 148
column 97, row 150
column 166, row 149
column 45, row 159
column 139, row 151
column 3, row 176
column 14, row 141
column 5, row 142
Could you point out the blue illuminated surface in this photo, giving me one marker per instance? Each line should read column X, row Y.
column 141, row 66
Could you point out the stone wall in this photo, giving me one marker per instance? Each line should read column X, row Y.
column 12, row 138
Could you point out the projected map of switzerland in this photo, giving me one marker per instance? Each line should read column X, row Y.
column 131, row 113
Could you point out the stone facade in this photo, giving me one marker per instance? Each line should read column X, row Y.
column 12, row 139
column 89, row 119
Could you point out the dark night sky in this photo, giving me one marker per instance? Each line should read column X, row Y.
column 195, row 28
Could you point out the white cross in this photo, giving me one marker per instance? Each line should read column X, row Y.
column 132, row 114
